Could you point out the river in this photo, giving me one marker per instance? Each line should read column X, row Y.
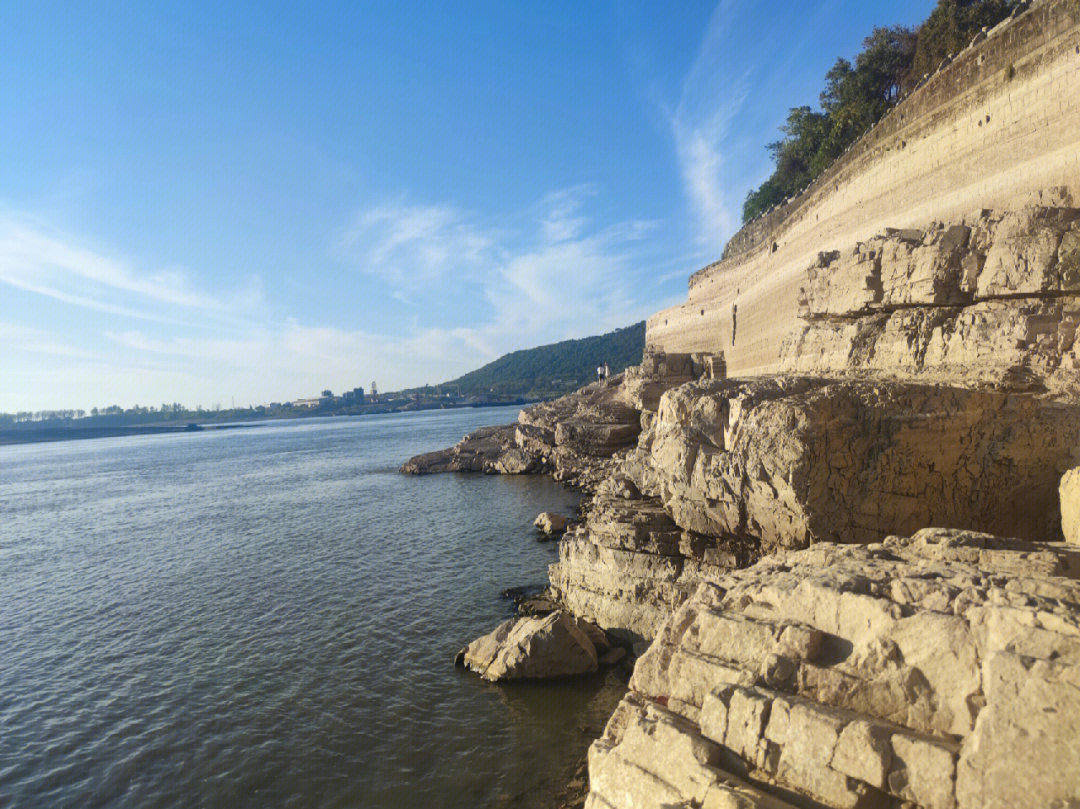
column 267, row 617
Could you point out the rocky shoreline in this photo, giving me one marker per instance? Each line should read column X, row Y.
column 845, row 590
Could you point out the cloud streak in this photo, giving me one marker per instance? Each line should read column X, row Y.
column 478, row 289
column 712, row 94
column 32, row 258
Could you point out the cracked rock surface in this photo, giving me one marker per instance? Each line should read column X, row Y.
column 789, row 461
column 938, row 670
column 993, row 300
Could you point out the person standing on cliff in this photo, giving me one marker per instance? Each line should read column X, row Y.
column 599, row 373
column 607, row 372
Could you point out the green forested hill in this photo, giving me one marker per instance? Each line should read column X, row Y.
column 554, row 368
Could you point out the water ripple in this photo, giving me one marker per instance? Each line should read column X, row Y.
column 266, row 617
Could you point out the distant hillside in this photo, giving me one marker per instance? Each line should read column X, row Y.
column 555, row 368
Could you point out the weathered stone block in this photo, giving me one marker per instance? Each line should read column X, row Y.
column 1024, row 750
column 863, row 752
column 811, row 460
column 748, row 711
column 924, row 771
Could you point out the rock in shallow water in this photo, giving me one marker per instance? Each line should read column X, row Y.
column 556, row 645
column 550, row 523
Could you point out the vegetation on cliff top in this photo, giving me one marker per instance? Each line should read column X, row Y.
column 857, row 95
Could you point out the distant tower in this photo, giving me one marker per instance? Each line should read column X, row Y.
column 374, row 389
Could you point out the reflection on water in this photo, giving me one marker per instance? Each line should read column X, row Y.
column 268, row 617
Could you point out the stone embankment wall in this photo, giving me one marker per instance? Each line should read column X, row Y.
column 997, row 126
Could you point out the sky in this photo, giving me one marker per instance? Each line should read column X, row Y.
column 219, row 203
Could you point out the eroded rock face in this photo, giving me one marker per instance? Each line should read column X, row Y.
column 629, row 566
column 574, row 437
column 939, row 670
column 993, row 300
column 789, row 461
column 555, row 645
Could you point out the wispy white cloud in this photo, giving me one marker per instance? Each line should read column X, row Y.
column 543, row 274
column 43, row 262
column 556, row 275
column 409, row 244
column 561, row 219
column 711, row 96
column 15, row 337
column 732, row 99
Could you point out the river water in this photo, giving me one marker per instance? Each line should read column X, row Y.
column 267, row 617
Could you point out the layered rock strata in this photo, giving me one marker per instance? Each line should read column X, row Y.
column 793, row 460
column 572, row 436
column 728, row 470
column 936, row 671
column 491, row 450
column 628, row 566
column 991, row 300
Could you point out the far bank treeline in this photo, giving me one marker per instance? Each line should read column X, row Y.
column 857, row 94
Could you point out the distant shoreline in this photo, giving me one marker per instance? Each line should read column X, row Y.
column 35, row 435
column 49, row 434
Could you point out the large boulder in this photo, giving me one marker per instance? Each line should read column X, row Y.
column 795, row 460
column 551, row 524
column 556, row 645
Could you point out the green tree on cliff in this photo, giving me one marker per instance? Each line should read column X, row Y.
column 857, row 95
column 949, row 29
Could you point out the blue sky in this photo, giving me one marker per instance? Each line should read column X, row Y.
column 253, row 203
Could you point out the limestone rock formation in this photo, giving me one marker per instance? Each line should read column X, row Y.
column 993, row 300
column 629, row 566
column 574, row 434
column 939, row 669
column 571, row 437
column 555, row 645
column 489, row 449
column 790, row 461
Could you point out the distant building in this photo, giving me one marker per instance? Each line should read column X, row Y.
column 354, row 396
column 306, row 402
